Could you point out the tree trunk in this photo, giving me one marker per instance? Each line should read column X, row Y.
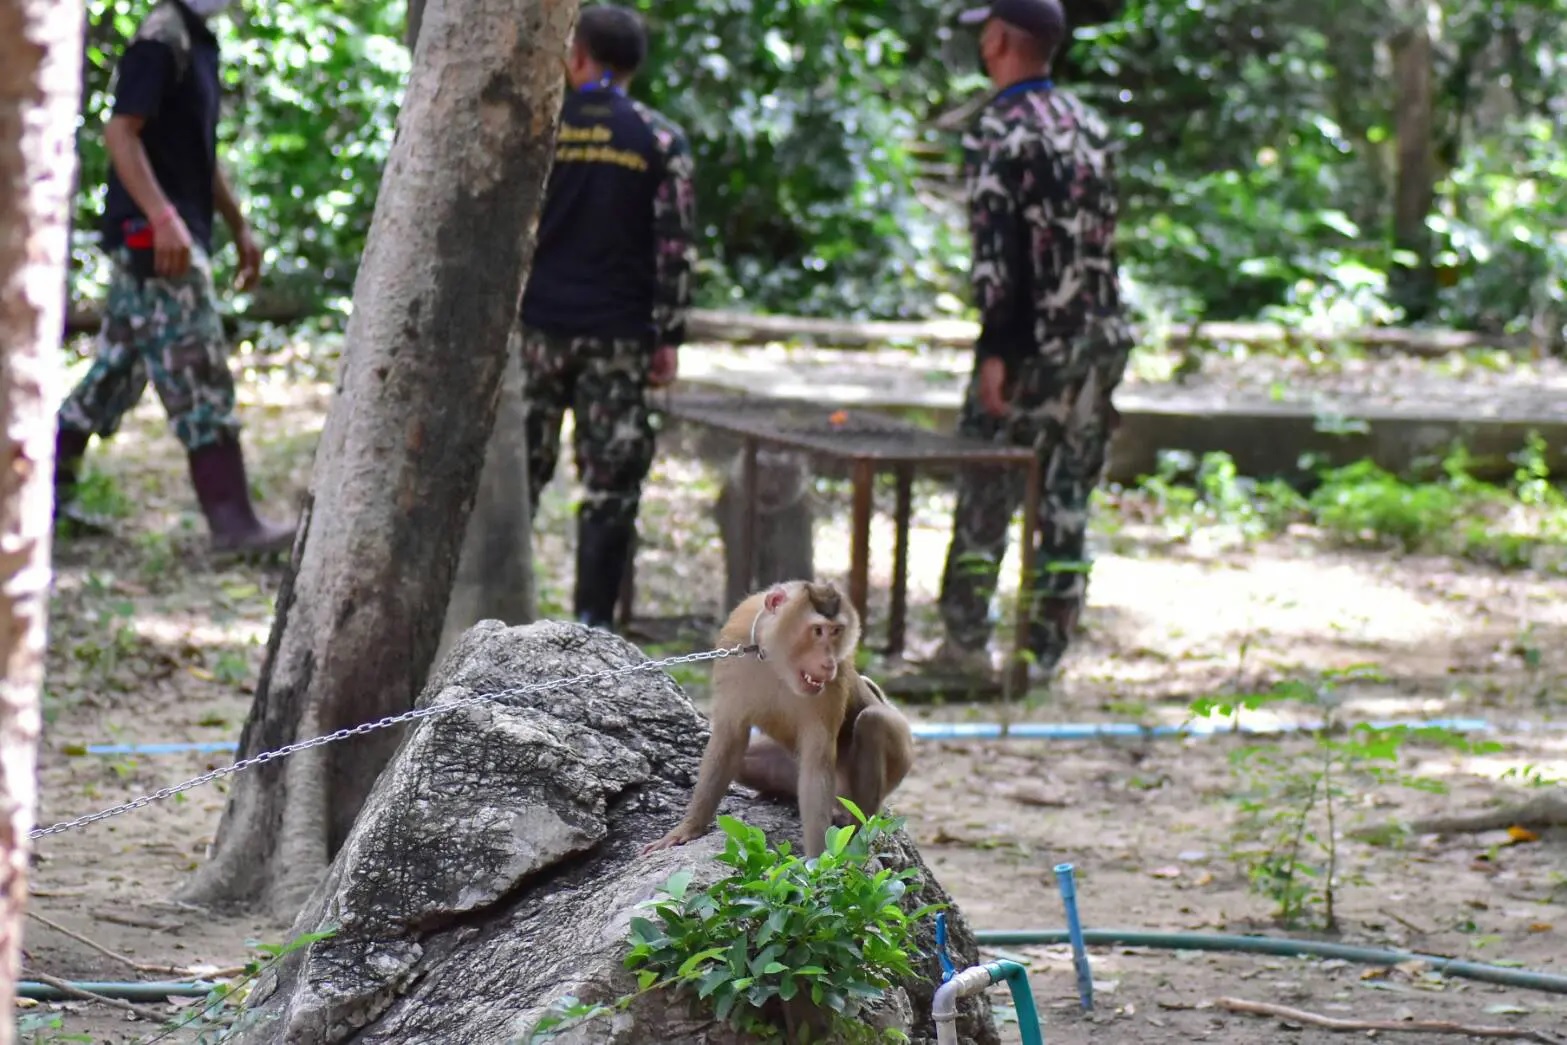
column 495, row 569
column 360, row 609
column 1414, row 123
column 40, row 93
column 495, row 572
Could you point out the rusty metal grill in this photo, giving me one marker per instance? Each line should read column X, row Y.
column 863, row 435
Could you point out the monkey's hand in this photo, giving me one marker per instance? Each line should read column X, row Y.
column 679, row 836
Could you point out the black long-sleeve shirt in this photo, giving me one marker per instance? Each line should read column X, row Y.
column 169, row 77
column 617, row 228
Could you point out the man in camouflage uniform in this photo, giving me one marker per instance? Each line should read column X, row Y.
column 1054, row 342
column 161, row 321
column 603, row 314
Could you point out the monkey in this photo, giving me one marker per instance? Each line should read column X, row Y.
column 784, row 506
column 827, row 730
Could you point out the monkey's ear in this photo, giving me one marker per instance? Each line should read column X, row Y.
column 775, row 598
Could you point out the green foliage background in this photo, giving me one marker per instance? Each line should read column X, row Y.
column 1257, row 173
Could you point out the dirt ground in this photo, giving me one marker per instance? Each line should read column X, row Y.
column 151, row 643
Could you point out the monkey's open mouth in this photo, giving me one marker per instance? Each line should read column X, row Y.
column 811, row 683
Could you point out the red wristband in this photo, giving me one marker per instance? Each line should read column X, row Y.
column 166, row 215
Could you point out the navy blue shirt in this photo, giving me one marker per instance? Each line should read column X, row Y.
column 612, row 257
column 169, row 77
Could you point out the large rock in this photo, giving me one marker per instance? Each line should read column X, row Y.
column 495, row 867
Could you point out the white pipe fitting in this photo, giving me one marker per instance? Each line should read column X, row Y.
column 944, row 1006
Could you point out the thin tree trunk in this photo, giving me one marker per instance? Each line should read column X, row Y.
column 40, row 93
column 411, row 23
column 1415, row 127
column 495, row 572
column 361, row 608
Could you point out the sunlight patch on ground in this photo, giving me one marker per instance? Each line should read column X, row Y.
column 184, row 628
column 1291, row 595
column 1545, row 756
column 1360, row 702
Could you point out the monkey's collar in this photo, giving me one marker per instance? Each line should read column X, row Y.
column 755, row 647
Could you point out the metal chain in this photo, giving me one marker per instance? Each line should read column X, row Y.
column 370, row 727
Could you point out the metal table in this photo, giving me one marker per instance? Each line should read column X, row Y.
column 868, row 443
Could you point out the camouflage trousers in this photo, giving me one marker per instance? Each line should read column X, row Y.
column 1060, row 404
column 603, row 382
column 168, row 330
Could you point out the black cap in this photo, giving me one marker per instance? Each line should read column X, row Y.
column 1042, row 19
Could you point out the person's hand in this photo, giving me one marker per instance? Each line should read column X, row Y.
column 992, row 387
column 170, row 245
column 666, row 361
column 249, row 259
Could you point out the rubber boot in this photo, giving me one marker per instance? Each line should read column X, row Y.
column 1056, row 623
column 70, row 446
column 602, row 550
column 218, row 474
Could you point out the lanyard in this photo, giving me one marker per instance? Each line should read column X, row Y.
column 605, row 83
column 1042, row 82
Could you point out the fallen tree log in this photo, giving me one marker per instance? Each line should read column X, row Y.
column 743, row 328
column 494, row 868
column 1288, row 1014
column 1541, row 811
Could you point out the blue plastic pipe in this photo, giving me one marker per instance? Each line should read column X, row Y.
column 1537, row 981
column 1213, row 727
column 995, row 731
column 132, row 990
column 210, row 747
column 1074, row 929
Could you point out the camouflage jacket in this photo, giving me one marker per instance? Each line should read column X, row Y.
column 674, row 227
column 1041, row 191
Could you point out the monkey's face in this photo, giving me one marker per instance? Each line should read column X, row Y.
column 815, row 629
column 813, row 661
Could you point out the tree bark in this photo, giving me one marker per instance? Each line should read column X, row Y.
column 40, row 93
column 361, row 606
column 495, row 570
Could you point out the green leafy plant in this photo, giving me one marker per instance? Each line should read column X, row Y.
column 1519, row 525
column 1292, row 804
column 45, row 1028
column 1189, row 495
column 783, row 948
column 1523, row 524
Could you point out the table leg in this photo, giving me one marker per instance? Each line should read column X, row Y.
column 748, row 516
column 898, row 615
column 860, row 542
column 1017, row 674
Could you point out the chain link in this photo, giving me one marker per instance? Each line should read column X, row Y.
column 391, row 720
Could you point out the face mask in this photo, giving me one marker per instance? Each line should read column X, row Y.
column 207, row 8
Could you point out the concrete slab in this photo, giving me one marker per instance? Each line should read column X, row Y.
column 1404, row 425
